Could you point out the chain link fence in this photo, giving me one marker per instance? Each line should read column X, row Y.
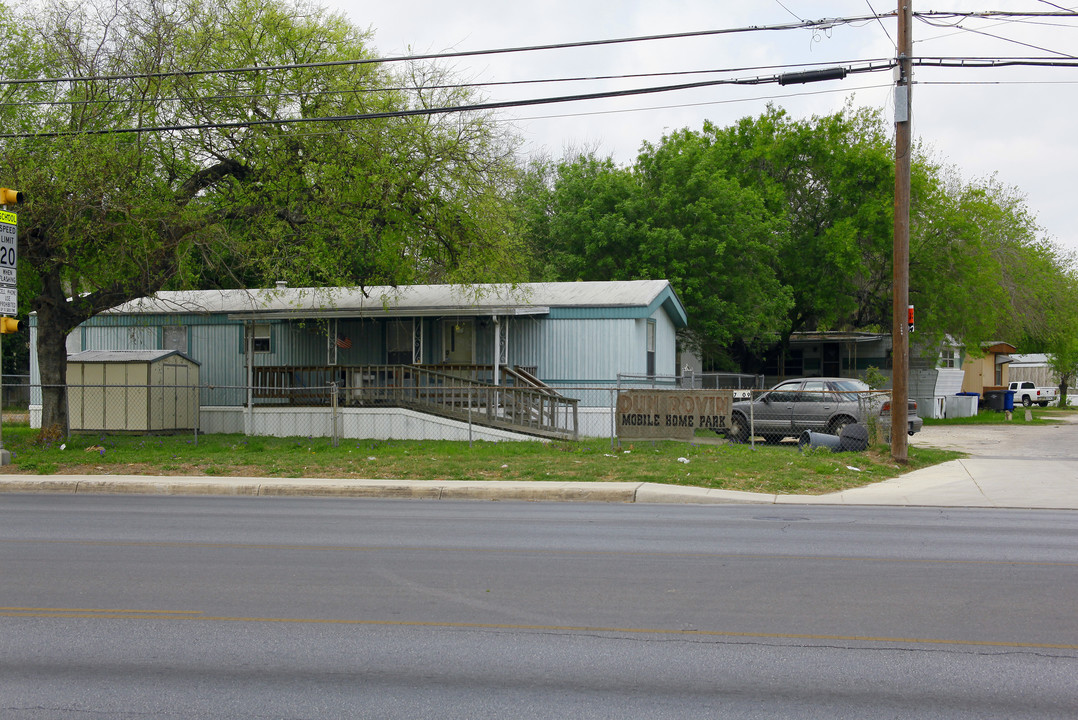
column 817, row 416
column 464, row 413
column 467, row 412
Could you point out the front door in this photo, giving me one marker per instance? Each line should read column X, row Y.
column 458, row 342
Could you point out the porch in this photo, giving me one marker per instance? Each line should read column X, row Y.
column 519, row 402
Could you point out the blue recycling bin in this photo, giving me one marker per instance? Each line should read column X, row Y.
column 1008, row 400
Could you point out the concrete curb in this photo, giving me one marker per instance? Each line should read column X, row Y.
column 317, row 487
column 659, row 493
column 971, row 482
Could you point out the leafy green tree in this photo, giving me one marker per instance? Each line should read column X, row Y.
column 674, row 216
column 980, row 270
column 212, row 190
column 829, row 183
column 1061, row 341
column 776, row 225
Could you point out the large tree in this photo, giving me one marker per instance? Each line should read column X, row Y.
column 148, row 137
column 829, row 181
column 675, row 216
column 775, row 225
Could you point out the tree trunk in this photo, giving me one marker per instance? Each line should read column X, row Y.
column 52, row 364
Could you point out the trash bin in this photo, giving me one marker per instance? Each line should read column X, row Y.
column 994, row 399
column 961, row 405
column 854, row 438
column 811, row 440
column 1008, row 400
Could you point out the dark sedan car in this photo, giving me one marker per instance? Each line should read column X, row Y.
column 824, row 405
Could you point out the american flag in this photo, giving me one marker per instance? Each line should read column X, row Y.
column 344, row 342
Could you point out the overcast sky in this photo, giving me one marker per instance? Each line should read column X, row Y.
column 1016, row 123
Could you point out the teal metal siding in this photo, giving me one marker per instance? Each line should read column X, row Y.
column 585, row 346
column 569, row 351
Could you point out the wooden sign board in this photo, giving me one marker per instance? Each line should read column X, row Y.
column 671, row 414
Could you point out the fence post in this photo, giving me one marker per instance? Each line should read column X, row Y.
column 752, row 421
column 333, row 412
column 613, row 413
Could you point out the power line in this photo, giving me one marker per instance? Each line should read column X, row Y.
column 448, row 86
column 818, row 24
column 756, row 98
column 981, row 62
column 477, row 107
column 1005, row 39
column 804, row 24
column 1052, row 4
column 590, row 113
column 880, row 21
column 956, row 62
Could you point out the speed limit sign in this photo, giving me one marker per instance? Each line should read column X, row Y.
column 9, row 247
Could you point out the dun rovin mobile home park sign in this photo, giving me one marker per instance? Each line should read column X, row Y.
column 671, row 414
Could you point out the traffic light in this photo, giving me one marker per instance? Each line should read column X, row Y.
column 8, row 325
column 11, row 197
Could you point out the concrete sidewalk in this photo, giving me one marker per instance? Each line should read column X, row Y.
column 972, row 482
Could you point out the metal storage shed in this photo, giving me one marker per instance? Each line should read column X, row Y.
column 132, row 391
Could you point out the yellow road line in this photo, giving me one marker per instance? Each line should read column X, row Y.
column 96, row 611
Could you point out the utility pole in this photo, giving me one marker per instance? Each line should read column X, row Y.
column 900, row 340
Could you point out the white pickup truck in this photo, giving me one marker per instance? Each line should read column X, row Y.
column 1027, row 393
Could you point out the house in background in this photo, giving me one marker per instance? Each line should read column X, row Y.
column 1033, row 367
column 990, row 370
column 830, row 354
column 536, row 358
column 935, row 376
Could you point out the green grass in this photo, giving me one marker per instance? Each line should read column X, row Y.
column 1040, row 416
column 770, row 469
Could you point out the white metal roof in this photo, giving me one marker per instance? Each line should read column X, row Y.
column 500, row 299
column 124, row 356
column 1029, row 360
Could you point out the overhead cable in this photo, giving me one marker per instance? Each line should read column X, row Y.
column 477, row 107
column 805, row 24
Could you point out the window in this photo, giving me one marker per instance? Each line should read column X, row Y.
column 815, row 391
column 174, row 337
column 784, row 393
column 399, row 341
column 259, row 337
column 651, row 347
column 948, row 358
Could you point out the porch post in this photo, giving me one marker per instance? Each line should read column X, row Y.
column 497, row 348
column 249, row 341
column 417, row 341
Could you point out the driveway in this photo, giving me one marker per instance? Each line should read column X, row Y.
column 1014, row 440
column 1013, row 465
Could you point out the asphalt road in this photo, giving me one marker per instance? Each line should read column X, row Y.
column 170, row 607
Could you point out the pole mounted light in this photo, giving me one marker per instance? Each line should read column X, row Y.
column 11, row 197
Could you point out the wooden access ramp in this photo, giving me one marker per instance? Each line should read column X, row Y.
column 457, row 392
